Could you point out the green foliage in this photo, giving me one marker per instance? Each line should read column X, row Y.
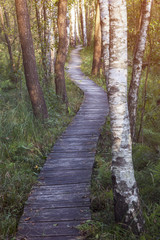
column 87, row 59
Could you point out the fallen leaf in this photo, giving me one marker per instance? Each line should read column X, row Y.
column 27, row 219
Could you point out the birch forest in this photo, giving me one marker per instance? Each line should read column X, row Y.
column 120, row 52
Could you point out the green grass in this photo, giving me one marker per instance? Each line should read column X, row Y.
column 24, row 144
column 87, row 59
column 146, row 159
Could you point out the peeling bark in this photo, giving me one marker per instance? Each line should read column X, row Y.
column 126, row 199
column 137, row 64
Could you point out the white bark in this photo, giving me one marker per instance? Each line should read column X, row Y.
column 53, row 50
column 77, row 24
column 137, row 64
column 104, row 12
column 79, row 21
column 73, row 26
column 126, row 200
column 84, row 24
column 68, row 31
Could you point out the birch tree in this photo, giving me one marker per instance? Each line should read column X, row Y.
column 84, row 23
column 137, row 64
column 126, row 200
column 77, row 22
column 68, row 31
column 73, row 26
column 104, row 14
column 97, row 43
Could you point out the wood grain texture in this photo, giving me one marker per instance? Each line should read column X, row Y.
column 61, row 199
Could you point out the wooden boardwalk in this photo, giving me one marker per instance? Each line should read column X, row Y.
column 61, row 200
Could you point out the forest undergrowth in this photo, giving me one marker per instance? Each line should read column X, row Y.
column 25, row 143
column 146, row 159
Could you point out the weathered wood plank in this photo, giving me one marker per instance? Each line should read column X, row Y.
column 74, row 148
column 49, row 229
column 60, row 204
column 61, row 214
column 68, row 165
column 67, row 177
column 68, row 173
column 48, row 196
column 63, row 188
column 75, row 142
column 91, row 132
column 71, row 154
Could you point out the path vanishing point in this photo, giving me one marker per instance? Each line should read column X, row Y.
column 61, row 199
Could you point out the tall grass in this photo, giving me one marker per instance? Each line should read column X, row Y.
column 24, row 144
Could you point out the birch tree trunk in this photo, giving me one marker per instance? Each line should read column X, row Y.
column 53, row 50
column 97, row 44
column 137, row 64
column 68, row 31
column 104, row 13
column 79, row 15
column 84, row 23
column 47, row 38
column 73, row 26
column 126, row 199
column 77, row 23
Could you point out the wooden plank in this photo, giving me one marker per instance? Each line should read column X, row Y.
column 74, row 147
column 75, row 142
column 48, row 196
column 67, row 177
column 49, row 229
column 54, row 155
column 53, row 159
column 68, row 173
column 91, row 132
column 78, row 138
column 61, row 214
column 68, row 165
column 60, row 189
column 60, row 204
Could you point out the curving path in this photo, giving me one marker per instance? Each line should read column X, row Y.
column 61, row 200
